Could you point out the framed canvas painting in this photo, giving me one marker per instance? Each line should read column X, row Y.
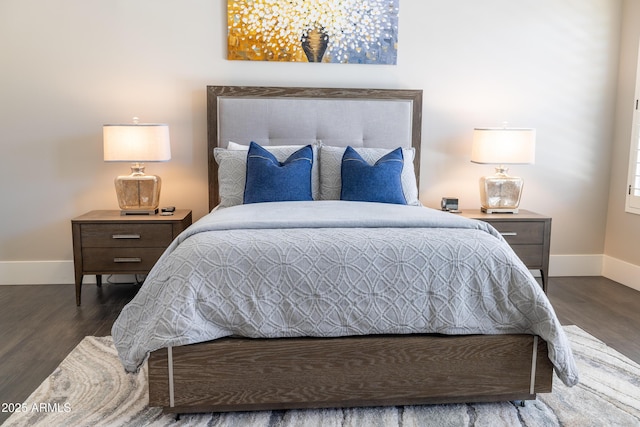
column 338, row 31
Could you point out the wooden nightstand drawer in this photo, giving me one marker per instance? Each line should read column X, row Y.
column 528, row 234
column 531, row 255
column 126, row 235
column 120, row 259
column 517, row 233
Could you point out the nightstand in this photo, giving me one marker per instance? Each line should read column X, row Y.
column 528, row 233
column 105, row 242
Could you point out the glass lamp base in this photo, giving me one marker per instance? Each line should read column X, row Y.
column 500, row 193
column 138, row 194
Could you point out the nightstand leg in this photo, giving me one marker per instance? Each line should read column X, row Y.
column 543, row 275
column 78, row 288
column 99, row 280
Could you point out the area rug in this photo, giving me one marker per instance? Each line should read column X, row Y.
column 90, row 388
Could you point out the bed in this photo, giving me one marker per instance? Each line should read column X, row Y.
column 318, row 302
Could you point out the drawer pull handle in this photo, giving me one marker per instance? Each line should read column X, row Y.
column 127, row 260
column 125, row 236
column 509, row 233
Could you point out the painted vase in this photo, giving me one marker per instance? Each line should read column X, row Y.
column 314, row 44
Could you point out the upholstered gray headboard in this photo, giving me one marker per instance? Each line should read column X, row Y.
column 381, row 118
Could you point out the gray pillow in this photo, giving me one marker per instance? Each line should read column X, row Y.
column 331, row 163
column 232, row 170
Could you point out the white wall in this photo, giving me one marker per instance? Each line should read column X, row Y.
column 622, row 260
column 68, row 66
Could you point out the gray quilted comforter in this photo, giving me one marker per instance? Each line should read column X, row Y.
column 333, row 268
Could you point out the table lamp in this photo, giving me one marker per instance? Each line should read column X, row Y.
column 138, row 193
column 500, row 193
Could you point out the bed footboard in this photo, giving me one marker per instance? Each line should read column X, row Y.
column 237, row 374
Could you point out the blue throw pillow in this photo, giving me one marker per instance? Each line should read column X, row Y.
column 380, row 182
column 268, row 180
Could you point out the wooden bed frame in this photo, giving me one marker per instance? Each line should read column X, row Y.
column 239, row 374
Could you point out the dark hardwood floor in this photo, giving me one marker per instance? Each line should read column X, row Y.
column 607, row 310
column 40, row 325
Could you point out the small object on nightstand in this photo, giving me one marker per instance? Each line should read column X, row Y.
column 168, row 209
column 449, row 204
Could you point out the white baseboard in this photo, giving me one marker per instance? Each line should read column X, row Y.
column 61, row 272
column 39, row 273
column 36, row 272
column 575, row 265
column 622, row 272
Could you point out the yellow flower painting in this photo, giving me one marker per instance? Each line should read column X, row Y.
column 338, row 31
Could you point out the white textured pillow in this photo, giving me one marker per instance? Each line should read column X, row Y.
column 235, row 146
column 232, row 170
column 331, row 163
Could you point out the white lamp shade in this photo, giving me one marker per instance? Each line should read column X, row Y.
column 504, row 146
column 143, row 142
